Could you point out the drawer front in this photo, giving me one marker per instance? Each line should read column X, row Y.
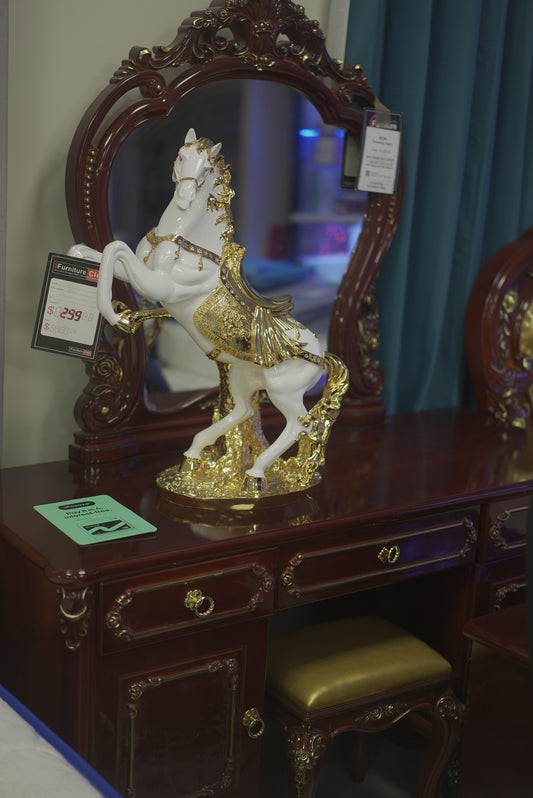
column 378, row 555
column 158, row 605
column 500, row 584
column 504, row 529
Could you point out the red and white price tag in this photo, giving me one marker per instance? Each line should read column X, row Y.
column 68, row 320
column 70, row 312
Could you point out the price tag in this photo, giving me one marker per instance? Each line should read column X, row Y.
column 381, row 151
column 68, row 320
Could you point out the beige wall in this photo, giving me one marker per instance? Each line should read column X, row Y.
column 61, row 54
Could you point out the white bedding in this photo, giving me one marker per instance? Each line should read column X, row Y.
column 37, row 763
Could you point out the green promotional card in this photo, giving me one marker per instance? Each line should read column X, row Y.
column 94, row 519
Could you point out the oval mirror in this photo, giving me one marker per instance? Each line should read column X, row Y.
column 298, row 225
column 114, row 179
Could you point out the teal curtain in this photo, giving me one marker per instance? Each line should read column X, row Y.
column 461, row 73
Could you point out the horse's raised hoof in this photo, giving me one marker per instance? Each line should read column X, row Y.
column 254, row 484
column 190, row 464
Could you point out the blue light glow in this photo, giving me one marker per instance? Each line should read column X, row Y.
column 309, row 132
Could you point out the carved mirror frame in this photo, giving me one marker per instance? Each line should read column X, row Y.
column 257, row 39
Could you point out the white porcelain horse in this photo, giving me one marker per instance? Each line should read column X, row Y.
column 190, row 265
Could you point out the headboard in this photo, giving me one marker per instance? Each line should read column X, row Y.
column 499, row 334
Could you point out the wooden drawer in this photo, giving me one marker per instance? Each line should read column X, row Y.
column 500, row 584
column 158, row 605
column 503, row 528
column 371, row 556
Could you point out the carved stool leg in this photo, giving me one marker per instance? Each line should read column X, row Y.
column 359, row 755
column 305, row 753
column 446, row 719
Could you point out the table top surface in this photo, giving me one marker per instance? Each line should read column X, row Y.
column 410, row 464
column 505, row 631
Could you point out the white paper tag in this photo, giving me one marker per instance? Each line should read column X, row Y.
column 381, row 151
column 70, row 312
column 68, row 320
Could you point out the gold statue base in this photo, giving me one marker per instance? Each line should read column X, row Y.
column 211, row 485
column 219, row 479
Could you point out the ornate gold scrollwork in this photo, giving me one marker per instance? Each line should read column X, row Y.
column 306, row 749
column 506, row 590
column 287, row 577
column 497, row 530
column 382, row 712
column 448, row 706
column 135, row 695
column 471, row 536
column 201, row 605
column 253, row 722
column 389, row 554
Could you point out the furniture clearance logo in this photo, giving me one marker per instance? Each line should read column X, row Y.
column 76, row 271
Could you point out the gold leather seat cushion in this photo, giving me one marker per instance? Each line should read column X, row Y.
column 328, row 664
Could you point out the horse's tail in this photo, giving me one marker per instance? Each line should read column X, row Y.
column 334, row 389
column 319, row 420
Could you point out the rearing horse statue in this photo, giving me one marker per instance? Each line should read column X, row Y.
column 190, row 264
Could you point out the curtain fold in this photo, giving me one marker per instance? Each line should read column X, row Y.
column 460, row 71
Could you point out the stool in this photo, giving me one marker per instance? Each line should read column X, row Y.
column 362, row 674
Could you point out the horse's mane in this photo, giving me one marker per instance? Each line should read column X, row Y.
column 221, row 200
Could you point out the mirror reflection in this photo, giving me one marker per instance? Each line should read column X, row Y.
column 297, row 224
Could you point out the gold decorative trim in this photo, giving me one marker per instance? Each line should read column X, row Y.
column 382, row 712
column 496, row 528
column 135, row 694
column 288, row 574
column 218, row 481
column 450, row 708
column 115, row 623
column 305, row 750
column 507, row 590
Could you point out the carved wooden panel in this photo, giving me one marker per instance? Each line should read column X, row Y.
column 499, row 334
column 160, row 604
column 173, row 719
column 314, row 570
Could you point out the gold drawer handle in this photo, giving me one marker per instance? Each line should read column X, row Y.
column 253, row 722
column 389, row 555
column 195, row 600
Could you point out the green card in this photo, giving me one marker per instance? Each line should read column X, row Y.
column 94, row 519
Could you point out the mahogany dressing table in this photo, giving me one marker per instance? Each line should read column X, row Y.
column 420, row 516
column 423, row 513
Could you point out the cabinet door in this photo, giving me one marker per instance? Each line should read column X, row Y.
column 182, row 719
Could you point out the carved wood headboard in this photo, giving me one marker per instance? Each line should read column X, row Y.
column 499, row 334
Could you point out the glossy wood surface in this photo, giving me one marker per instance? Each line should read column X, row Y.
column 411, row 464
column 505, row 632
column 498, row 730
column 100, row 635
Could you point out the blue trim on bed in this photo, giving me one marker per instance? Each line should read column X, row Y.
column 77, row 761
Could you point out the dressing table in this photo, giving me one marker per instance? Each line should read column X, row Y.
column 148, row 654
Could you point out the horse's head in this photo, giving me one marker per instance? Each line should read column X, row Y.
column 195, row 161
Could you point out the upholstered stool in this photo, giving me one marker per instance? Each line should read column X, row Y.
column 361, row 674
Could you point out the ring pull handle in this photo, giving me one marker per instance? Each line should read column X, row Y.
column 253, row 722
column 389, row 554
column 201, row 605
